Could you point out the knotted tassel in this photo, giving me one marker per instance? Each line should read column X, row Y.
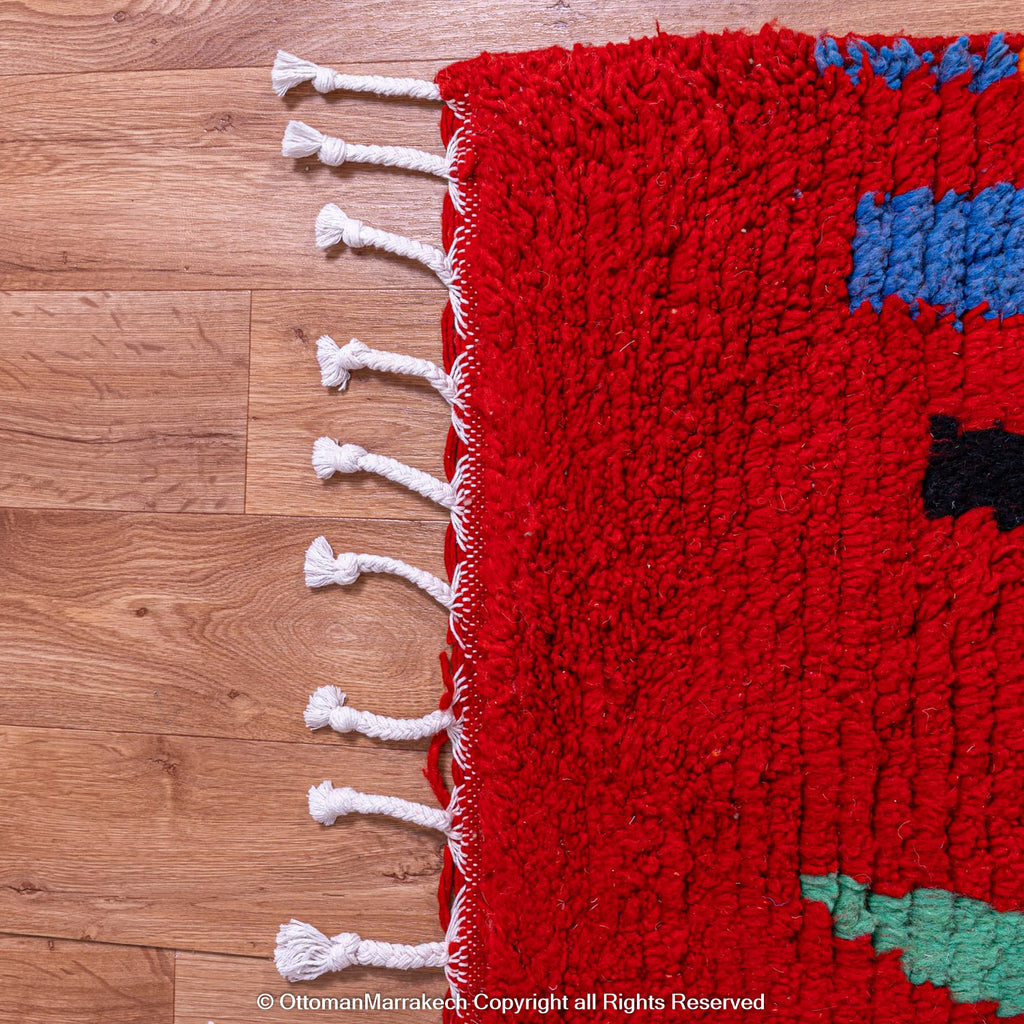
column 303, row 953
column 327, row 707
column 329, row 458
column 333, row 225
column 338, row 361
column 327, row 804
column 323, row 568
column 290, row 71
column 300, row 140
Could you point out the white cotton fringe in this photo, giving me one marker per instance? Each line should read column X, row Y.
column 290, row 71
column 323, row 568
column 333, row 225
column 300, row 139
column 329, row 458
column 338, row 361
column 303, row 953
column 327, row 707
column 327, row 804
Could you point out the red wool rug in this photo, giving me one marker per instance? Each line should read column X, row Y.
column 735, row 354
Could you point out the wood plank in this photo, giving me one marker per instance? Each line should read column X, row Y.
column 203, row 625
column 124, row 400
column 92, row 35
column 205, row 844
column 47, row 980
column 225, row 989
column 401, row 417
column 175, row 180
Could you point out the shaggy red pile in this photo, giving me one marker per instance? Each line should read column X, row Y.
column 713, row 639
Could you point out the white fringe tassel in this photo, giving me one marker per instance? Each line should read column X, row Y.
column 327, row 707
column 302, row 140
column 303, row 953
column 338, row 361
column 329, row 458
column 290, row 71
column 333, row 225
column 327, row 804
column 323, row 568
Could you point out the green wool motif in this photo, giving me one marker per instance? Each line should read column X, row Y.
column 962, row 944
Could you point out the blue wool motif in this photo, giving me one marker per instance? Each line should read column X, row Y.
column 894, row 63
column 957, row 253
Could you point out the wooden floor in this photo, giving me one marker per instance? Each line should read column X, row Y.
column 158, row 398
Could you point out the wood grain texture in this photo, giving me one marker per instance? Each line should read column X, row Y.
column 224, row 989
column 123, row 400
column 175, row 180
column 98, row 35
column 43, row 981
column 205, row 844
column 203, row 625
column 400, row 417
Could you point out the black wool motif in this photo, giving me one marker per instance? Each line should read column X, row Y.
column 974, row 469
